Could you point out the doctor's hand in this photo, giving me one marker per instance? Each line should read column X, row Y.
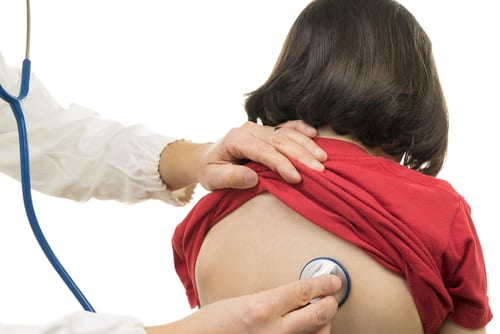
column 283, row 310
column 218, row 165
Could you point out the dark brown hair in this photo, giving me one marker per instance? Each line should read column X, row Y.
column 365, row 68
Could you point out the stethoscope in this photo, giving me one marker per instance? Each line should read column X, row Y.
column 15, row 103
column 328, row 266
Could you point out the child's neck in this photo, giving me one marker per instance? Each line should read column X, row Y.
column 327, row 132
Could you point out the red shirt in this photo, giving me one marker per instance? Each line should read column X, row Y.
column 415, row 225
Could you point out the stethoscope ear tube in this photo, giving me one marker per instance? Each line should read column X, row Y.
column 16, row 106
column 326, row 265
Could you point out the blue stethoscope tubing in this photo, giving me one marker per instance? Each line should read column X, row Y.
column 17, row 108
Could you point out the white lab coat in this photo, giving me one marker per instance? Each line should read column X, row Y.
column 81, row 323
column 76, row 154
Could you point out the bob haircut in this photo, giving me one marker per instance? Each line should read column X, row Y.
column 364, row 68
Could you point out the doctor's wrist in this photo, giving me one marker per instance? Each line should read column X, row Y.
column 180, row 164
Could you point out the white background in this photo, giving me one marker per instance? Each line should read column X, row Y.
column 182, row 67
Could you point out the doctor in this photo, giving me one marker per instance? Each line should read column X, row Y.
column 78, row 155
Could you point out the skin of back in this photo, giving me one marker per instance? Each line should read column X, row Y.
column 264, row 244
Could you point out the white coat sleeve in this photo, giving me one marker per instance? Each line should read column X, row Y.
column 76, row 154
column 81, row 323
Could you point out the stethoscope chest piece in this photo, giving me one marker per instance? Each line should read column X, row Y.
column 325, row 265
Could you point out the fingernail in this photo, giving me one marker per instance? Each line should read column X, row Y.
column 250, row 179
column 296, row 175
column 316, row 165
column 311, row 129
column 320, row 154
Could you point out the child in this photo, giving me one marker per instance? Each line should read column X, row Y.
column 362, row 72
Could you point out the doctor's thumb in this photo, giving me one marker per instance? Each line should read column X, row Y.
column 231, row 176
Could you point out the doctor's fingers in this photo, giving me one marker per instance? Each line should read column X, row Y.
column 293, row 139
column 275, row 149
column 300, row 293
column 282, row 309
column 248, row 142
column 221, row 176
column 313, row 318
